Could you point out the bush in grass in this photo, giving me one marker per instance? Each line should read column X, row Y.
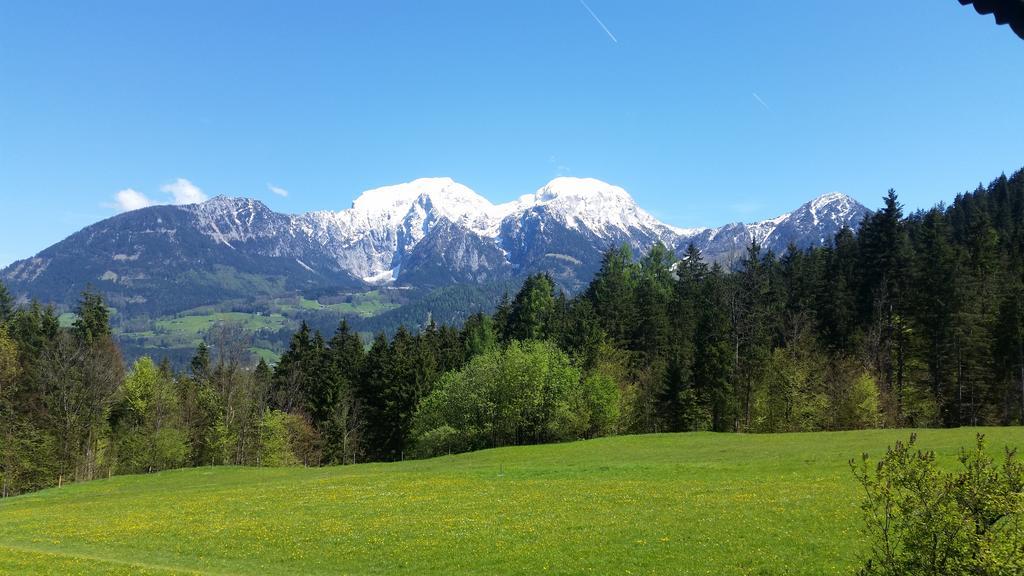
column 924, row 521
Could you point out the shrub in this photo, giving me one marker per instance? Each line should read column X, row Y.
column 923, row 521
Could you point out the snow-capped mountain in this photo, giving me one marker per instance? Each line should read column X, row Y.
column 430, row 232
column 812, row 224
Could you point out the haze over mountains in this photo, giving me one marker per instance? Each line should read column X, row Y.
column 431, row 232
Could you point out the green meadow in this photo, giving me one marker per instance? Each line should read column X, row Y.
column 697, row 503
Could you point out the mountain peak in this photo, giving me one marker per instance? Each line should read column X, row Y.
column 451, row 199
column 603, row 208
column 583, row 188
column 231, row 202
column 832, row 207
column 829, row 198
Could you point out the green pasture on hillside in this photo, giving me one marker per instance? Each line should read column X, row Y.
column 700, row 503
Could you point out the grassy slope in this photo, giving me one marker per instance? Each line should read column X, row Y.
column 658, row 504
column 186, row 330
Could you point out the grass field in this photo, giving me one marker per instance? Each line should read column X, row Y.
column 364, row 304
column 659, row 504
column 181, row 333
column 197, row 326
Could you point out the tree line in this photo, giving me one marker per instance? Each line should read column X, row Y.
column 912, row 320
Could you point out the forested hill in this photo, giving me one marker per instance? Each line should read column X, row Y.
column 912, row 320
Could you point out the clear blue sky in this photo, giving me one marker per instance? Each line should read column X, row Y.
column 707, row 112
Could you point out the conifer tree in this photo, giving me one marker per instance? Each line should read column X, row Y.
column 6, row 304
column 611, row 294
column 532, row 308
column 93, row 322
column 479, row 335
column 372, row 394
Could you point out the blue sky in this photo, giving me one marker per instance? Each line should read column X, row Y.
column 707, row 112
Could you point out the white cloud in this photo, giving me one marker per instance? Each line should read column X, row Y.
column 128, row 199
column 277, row 190
column 184, row 192
column 181, row 191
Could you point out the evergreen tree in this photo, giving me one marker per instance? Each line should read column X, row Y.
column 653, row 296
column 837, row 308
column 479, row 335
column 611, row 294
column 6, row 304
column 292, row 371
column 714, row 354
column 531, row 309
column 883, row 267
column 372, row 396
column 93, row 321
column 934, row 301
column 200, row 363
column 751, row 329
column 321, row 390
column 501, row 318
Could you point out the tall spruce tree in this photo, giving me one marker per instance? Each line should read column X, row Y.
column 6, row 304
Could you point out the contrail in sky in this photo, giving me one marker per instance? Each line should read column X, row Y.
column 758, row 98
column 598, row 20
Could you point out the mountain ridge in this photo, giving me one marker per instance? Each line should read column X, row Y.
column 395, row 218
column 430, row 232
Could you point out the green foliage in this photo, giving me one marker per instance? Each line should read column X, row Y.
column 865, row 403
column 531, row 309
column 275, row 445
column 148, row 429
column 601, row 399
column 923, row 521
column 9, row 366
column 527, row 393
column 93, row 318
column 794, row 396
column 479, row 334
column 6, row 304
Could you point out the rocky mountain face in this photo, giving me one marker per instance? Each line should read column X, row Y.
column 431, row 232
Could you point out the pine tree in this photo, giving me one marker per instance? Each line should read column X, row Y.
column 687, row 406
column 6, row 304
column 290, row 374
column 653, row 296
column 531, row 309
column 611, row 294
column 372, row 394
column 714, row 353
column 976, row 315
column 751, row 330
column 883, row 267
column 321, row 390
column 934, row 302
column 501, row 318
column 836, row 297
column 479, row 335
column 200, row 363
column 93, row 322
column 1009, row 349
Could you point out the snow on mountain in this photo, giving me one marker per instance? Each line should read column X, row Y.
column 384, row 225
column 418, row 204
column 599, row 207
column 431, row 232
column 228, row 220
column 376, row 236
